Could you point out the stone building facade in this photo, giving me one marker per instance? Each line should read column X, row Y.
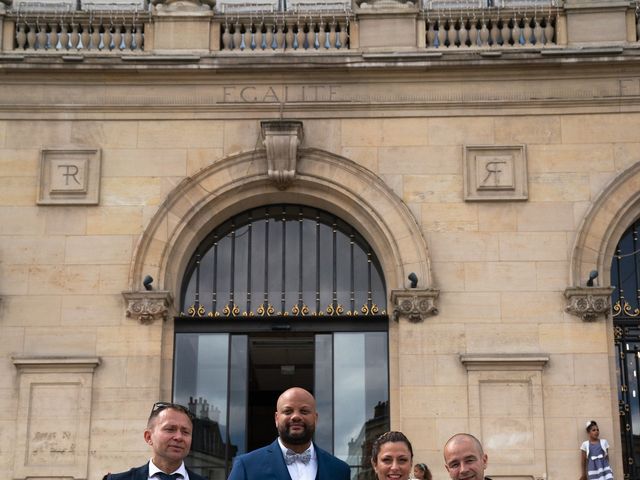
column 488, row 155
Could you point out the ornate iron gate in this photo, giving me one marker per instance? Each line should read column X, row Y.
column 625, row 277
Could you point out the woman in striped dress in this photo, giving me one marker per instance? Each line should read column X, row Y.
column 595, row 455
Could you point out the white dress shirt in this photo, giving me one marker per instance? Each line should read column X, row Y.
column 153, row 470
column 300, row 471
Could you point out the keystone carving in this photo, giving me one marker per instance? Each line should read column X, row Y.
column 148, row 306
column 588, row 303
column 281, row 139
column 415, row 304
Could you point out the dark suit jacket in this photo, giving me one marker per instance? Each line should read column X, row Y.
column 267, row 463
column 142, row 473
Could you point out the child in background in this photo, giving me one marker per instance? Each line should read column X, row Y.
column 595, row 455
column 421, row 471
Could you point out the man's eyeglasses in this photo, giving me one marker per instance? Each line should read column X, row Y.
column 159, row 406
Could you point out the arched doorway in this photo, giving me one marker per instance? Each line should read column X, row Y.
column 625, row 278
column 279, row 296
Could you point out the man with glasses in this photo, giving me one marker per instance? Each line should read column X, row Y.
column 293, row 455
column 168, row 432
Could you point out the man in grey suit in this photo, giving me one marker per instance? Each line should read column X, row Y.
column 169, row 432
column 293, row 455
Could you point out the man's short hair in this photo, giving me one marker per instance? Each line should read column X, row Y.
column 465, row 435
column 160, row 406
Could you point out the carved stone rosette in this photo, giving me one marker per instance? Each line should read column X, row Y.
column 415, row 304
column 281, row 139
column 588, row 302
column 148, row 306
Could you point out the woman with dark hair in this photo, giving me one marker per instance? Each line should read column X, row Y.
column 392, row 456
column 421, row 472
column 595, row 455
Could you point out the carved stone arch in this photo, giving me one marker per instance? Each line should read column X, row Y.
column 610, row 215
column 323, row 180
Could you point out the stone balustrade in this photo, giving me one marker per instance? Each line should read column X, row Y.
column 289, row 33
column 79, row 32
column 498, row 29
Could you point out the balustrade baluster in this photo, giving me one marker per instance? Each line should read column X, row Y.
column 86, row 35
column 289, row 36
column 21, row 35
column 463, row 33
column 246, row 37
column 128, row 37
column 441, row 35
column 256, row 37
column 268, row 37
column 505, row 32
column 74, row 37
column 548, row 31
column 484, row 34
column 527, row 31
column 494, row 33
column 516, row 33
column 473, row 32
column 314, row 34
column 96, row 38
column 537, row 32
column 431, row 34
column 452, row 34
column 332, row 37
column 300, row 37
column 31, row 36
column 278, row 36
column 139, row 37
column 41, row 37
column 63, row 37
column 343, row 36
column 323, row 35
column 117, row 38
column 226, row 37
column 80, row 32
column 237, row 36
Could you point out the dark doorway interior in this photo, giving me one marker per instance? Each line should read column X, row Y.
column 276, row 362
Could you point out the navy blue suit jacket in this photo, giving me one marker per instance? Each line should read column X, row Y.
column 267, row 463
column 142, row 473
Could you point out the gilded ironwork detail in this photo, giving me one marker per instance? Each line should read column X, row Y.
column 337, row 310
column 267, row 310
column 625, row 308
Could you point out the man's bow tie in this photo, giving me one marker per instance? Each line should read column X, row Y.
column 291, row 457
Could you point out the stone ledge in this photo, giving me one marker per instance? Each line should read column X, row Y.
column 509, row 361
column 56, row 364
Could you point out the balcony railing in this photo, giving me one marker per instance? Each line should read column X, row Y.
column 500, row 29
column 311, row 33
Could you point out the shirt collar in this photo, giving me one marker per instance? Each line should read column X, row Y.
column 182, row 470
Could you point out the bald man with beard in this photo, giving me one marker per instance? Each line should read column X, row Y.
column 293, row 455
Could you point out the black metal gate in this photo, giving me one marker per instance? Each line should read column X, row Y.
column 625, row 277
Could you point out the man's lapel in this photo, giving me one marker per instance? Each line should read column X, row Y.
column 142, row 473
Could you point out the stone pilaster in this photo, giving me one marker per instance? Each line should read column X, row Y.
column 414, row 304
column 148, row 306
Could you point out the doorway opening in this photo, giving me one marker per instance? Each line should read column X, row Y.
column 276, row 363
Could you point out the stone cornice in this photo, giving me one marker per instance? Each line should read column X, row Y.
column 515, row 361
column 55, row 364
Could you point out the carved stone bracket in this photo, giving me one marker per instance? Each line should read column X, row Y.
column 588, row 302
column 415, row 304
column 281, row 139
column 148, row 306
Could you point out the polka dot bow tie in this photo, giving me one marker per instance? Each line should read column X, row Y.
column 291, row 457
